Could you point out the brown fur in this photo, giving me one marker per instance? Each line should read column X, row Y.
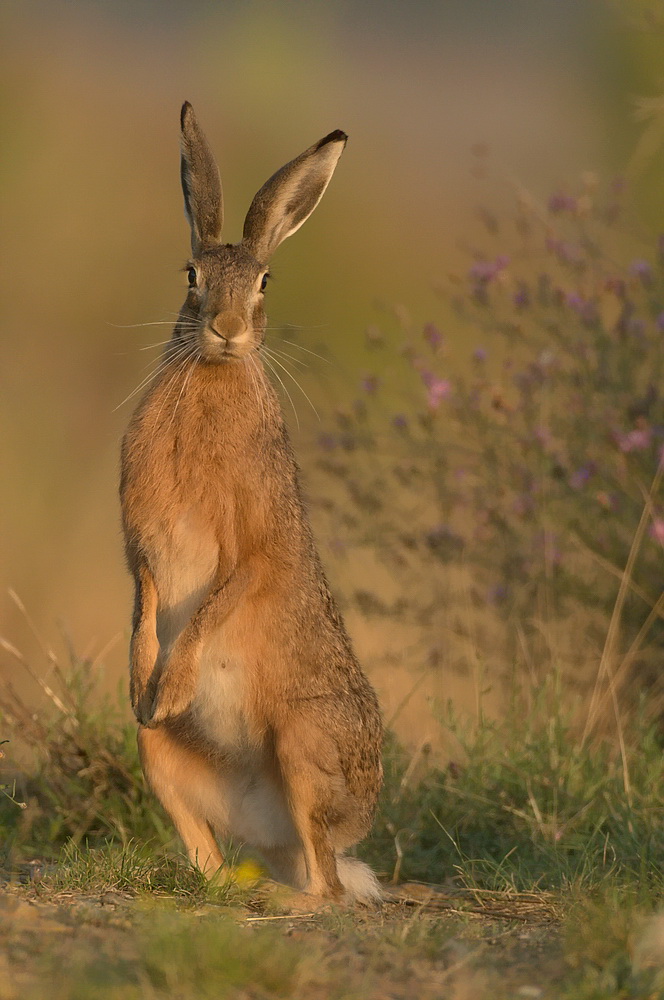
column 256, row 719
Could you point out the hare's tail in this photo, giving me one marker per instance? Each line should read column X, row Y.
column 358, row 880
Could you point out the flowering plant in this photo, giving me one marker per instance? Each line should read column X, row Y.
column 522, row 467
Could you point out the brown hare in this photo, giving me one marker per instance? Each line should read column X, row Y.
column 256, row 720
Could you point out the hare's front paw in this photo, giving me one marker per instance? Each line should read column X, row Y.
column 142, row 702
column 143, row 708
column 175, row 694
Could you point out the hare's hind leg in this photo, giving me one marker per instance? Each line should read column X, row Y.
column 310, row 796
column 287, row 864
column 186, row 786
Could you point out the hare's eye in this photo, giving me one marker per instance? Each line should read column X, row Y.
column 191, row 277
column 264, row 281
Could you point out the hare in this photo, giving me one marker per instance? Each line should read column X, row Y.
column 256, row 720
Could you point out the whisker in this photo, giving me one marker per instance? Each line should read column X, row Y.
column 253, row 370
column 168, row 355
column 276, row 374
column 184, row 323
column 255, row 380
column 161, row 366
column 294, row 326
column 300, row 348
column 291, row 376
column 132, row 326
column 185, row 383
column 167, row 393
column 159, row 343
column 285, row 354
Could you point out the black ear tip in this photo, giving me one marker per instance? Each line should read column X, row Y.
column 186, row 108
column 336, row 136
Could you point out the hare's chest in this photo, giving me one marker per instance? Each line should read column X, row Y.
column 220, row 704
column 183, row 556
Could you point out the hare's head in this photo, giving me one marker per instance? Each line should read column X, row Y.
column 224, row 311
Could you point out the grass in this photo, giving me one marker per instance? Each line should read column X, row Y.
column 527, row 803
column 524, row 802
column 135, row 870
column 547, row 857
column 83, row 780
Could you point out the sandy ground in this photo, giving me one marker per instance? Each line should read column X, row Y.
column 476, row 945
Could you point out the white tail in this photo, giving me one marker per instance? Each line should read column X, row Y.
column 358, row 880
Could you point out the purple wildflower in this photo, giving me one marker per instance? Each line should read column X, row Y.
column 327, row 442
column 636, row 440
column 453, row 770
column 521, row 297
column 370, row 383
column 484, row 271
column 479, row 354
column 437, row 388
column 584, row 308
column 567, row 253
column 432, row 335
column 560, row 202
column 497, row 594
column 400, row 421
column 580, row 478
column 641, row 269
column 656, row 530
column 659, row 322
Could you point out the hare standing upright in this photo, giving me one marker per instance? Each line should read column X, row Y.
column 256, row 720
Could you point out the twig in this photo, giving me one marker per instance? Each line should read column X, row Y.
column 59, row 704
column 612, row 632
column 45, row 648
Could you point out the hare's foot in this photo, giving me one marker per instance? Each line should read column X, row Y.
column 183, row 782
column 311, row 791
column 279, row 898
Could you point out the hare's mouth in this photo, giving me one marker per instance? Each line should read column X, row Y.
column 218, row 348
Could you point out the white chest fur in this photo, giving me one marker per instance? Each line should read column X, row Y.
column 220, row 702
column 184, row 565
column 184, row 572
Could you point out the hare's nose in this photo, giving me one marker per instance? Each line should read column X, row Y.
column 227, row 326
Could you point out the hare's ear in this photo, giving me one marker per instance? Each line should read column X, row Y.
column 290, row 196
column 203, row 203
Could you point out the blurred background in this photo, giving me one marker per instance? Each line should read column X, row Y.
column 93, row 232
